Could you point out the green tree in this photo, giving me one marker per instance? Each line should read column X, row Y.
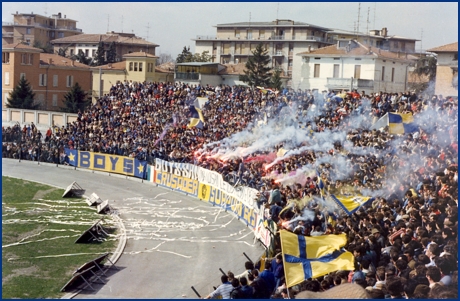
column 22, row 97
column 100, row 55
column 203, row 57
column 46, row 48
column 275, row 81
column 184, row 56
column 62, row 51
column 111, row 53
column 257, row 72
column 81, row 58
column 425, row 69
column 76, row 99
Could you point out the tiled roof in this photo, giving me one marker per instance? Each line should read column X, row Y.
column 166, row 67
column 359, row 50
column 453, row 47
column 139, row 54
column 234, row 69
column 119, row 66
column 59, row 61
column 20, row 45
column 106, row 38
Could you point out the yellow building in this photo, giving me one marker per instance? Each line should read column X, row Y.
column 446, row 69
column 136, row 67
column 37, row 30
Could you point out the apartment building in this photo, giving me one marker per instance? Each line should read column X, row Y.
column 446, row 69
column 234, row 42
column 351, row 65
column 124, row 43
column 37, row 30
column 377, row 39
column 51, row 76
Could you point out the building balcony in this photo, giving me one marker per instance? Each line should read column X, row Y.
column 206, row 37
column 317, row 39
column 7, row 34
column 187, row 75
column 277, row 37
column 349, row 83
column 278, row 53
column 243, row 53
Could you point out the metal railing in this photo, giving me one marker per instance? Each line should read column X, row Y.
column 206, row 37
column 187, row 75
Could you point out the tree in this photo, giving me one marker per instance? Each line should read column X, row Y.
column 46, row 48
column 62, row 51
column 164, row 58
column 22, row 97
column 111, row 53
column 257, row 73
column 275, row 81
column 76, row 100
column 100, row 55
column 80, row 57
column 425, row 69
column 203, row 57
column 184, row 56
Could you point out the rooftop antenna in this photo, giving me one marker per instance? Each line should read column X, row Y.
column 367, row 23
column 375, row 6
column 148, row 28
column 277, row 10
column 108, row 19
column 46, row 8
column 359, row 12
column 421, row 42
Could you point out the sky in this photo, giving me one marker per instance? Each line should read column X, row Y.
column 174, row 25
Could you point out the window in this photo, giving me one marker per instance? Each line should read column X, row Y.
column 455, row 56
column 28, row 30
column 71, row 52
column 135, row 66
column 383, row 73
column 140, row 67
column 130, row 66
column 392, row 75
column 86, row 52
column 262, row 34
column 290, row 63
column 396, row 44
column 357, row 71
column 42, row 80
column 5, row 57
column 336, row 71
column 69, row 81
column 60, row 34
column 22, row 76
column 316, row 71
column 51, row 34
column 93, row 53
column 31, row 59
column 55, row 97
column 7, row 78
column 249, row 34
column 55, row 80
column 24, row 58
column 237, row 33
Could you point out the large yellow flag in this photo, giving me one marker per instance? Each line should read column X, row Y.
column 351, row 203
column 312, row 257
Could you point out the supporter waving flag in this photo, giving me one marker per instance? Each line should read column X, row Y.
column 312, row 257
column 351, row 203
column 196, row 119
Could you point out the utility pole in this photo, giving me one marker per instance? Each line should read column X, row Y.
column 108, row 20
column 122, row 23
column 359, row 12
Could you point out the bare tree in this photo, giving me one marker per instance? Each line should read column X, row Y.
column 164, row 58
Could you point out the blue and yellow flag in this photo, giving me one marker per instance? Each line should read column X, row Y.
column 197, row 119
column 71, row 156
column 351, row 203
column 140, row 169
column 401, row 123
column 312, row 257
column 320, row 184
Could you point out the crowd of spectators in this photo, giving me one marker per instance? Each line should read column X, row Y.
column 404, row 241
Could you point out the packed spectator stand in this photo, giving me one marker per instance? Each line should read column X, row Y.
column 404, row 241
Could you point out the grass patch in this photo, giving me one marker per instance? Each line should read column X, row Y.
column 39, row 229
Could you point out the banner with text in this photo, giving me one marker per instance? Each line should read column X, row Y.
column 106, row 162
